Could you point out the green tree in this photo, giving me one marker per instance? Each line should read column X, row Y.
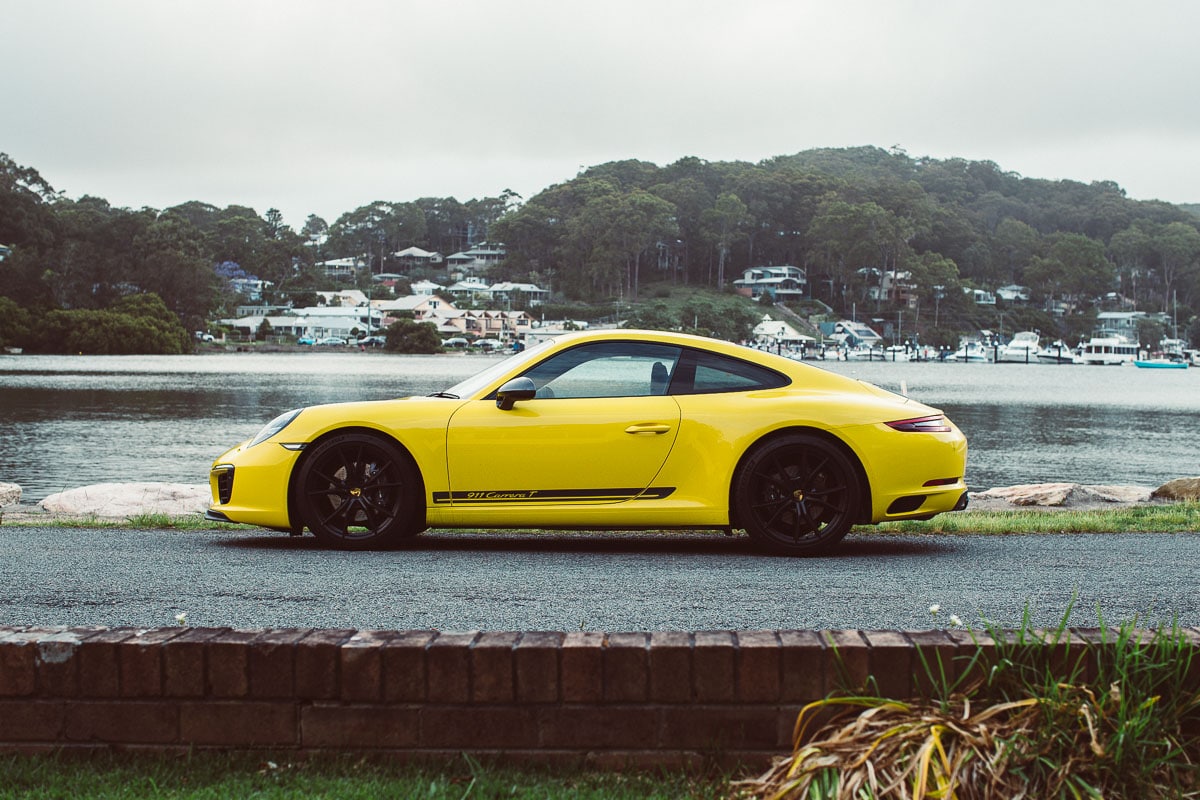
column 409, row 336
column 725, row 224
column 16, row 324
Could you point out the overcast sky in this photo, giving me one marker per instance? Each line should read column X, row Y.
column 316, row 107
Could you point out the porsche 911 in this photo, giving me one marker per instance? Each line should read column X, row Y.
column 614, row 430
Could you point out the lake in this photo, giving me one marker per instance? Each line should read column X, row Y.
column 71, row 421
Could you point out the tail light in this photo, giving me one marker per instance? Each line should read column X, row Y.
column 933, row 424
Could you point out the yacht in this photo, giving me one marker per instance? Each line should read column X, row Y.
column 971, row 352
column 1022, row 349
column 1058, row 353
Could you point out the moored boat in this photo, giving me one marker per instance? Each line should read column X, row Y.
column 1058, row 353
column 1023, row 348
column 1109, row 350
column 971, row 352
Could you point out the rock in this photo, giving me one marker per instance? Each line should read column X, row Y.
column 123, row 500
column 10, row 494
column 1179, row 489
column 1059, row 495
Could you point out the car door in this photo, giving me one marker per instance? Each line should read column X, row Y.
column 597, row 432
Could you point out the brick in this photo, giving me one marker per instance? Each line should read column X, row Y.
column 29, row 720
column 99, row 665
column 581, row 662
column 185, row 660
column 469, row 728
column 890, row 661
column 141, row 660
column 634, row 727
column 18, row 670
column 803, row 660
column 273, row 662
column 935, row 668
column 361, row 667
column 239, row 724
column 58, row 663
column 492, row 669
column 670, row 667
column 627, row 667
column 713, row 667
column 536, row 666
column 849, row 660
column 758, row 663
column 227, row 658
column 715, row 729
column 449, row 665
column 317, row 659
column 340, row 726
column 404, row 667
column 122, row 722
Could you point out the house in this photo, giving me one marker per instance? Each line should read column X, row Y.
column 478, row 258
column 508, row 292
column 782, row 283
column 250, row 288
column 426, row 287
column 1119, row 323
column 412, row 257
column 1013, row 293
column 341, row 268
column 772, row 332
column 420, row 307
column 346, row 297
column 470, row 288
column 891, row 286
column 851, row 334
column 980, row 297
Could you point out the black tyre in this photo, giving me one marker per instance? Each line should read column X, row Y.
column 797, row 495
column 359, row 492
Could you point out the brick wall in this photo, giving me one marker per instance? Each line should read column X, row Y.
column 601, row 698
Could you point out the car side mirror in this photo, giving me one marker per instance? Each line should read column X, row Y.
column 516, row 389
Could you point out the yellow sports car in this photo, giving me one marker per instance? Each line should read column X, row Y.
column 613, row 429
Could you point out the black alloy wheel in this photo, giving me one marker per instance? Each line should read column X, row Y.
column 797, row 495
column 359, row 492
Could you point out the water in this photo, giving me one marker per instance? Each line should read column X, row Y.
column 68, row 421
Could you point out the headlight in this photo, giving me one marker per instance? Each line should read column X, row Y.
column 275, row 426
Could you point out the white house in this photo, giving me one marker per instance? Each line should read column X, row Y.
column 341, row 267
column 479, row 257
column 782, row 283
column 774, row 331
column 411, row 257
column 1013, row 293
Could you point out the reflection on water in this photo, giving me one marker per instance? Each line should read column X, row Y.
column 75, row 420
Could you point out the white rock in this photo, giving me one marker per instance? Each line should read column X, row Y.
column 10, row 494
column 1061, row 495
column 123, row 500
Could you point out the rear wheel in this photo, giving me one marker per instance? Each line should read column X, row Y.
column 359, row 492
column 797, row 495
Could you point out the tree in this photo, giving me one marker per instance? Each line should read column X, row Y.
column 409, row 336
column 724, row 224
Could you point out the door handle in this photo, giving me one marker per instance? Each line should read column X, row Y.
column 648, row 427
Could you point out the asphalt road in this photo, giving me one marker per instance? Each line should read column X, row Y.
column 609, row 581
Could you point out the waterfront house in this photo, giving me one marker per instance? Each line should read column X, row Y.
column 783, row 283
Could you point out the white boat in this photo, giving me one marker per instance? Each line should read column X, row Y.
column 897, row 352
column 864, row 354
column 1109, row 350
column 1022, row 349
column 1058, row 353
column 971, row 352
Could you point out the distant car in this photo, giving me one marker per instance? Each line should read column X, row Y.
column 488, row 344
column 332, row 341
column 372, row 341
column 305, row 340
column 613, row 429
column 455, row 341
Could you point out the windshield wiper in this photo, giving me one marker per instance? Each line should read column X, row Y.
column 447, row 395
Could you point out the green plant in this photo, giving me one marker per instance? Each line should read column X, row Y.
column 1028, row 713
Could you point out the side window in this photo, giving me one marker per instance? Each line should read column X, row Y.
column 701, row 372
column 607, row 369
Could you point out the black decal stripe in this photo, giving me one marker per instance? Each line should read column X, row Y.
column 493, row 496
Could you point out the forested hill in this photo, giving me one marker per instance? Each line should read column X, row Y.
column 848, row 216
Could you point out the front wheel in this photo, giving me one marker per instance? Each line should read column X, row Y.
column 797, row 495
column 359, row 492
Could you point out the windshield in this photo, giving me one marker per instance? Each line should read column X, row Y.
column 481, row 380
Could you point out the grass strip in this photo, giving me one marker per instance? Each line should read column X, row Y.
column 200, row 775
column 1159, row 518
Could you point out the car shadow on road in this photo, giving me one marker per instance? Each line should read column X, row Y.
column 694, row 543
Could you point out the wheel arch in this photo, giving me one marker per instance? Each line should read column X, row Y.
column 294, row 514
column 864, row 511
